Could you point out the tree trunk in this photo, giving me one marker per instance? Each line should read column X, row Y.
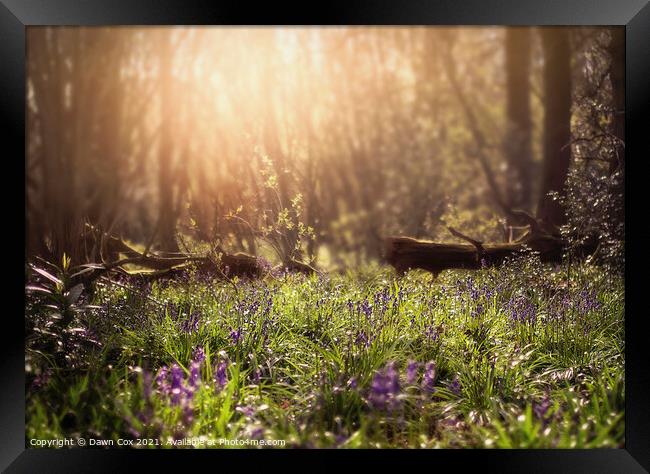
column 518, row 148
column 167, row 226
column 557, row 124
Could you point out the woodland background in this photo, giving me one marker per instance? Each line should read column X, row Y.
column 315, row 144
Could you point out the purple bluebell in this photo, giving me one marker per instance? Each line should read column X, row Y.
column 432, row 333
column 41, row 380
column 381, row 300
column 478, row 311
column 174, row 386
column 363, row 338
column 195, row 374
column 540, row 409
column 412, row 372
column 385, row 388
column 177, row 388
column 366, row 308
column 235, row 335
column 162, row 379
column 521, row 310
column 256, row 376
column 429, row 378
column 257, row 432
column 587, row 302
column 221, row 375
column 246, row 410
column 473, row 291
column 191, row 323
column 198, row 355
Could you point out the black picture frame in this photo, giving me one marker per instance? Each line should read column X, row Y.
column 16, row 15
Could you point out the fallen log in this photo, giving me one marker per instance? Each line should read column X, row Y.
column 405, row 253
column 223, row 265
column 227, row 266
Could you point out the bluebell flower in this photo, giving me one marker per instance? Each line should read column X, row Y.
column 366, row 308
column 385, row 388
column 176, row 387
column 257, row 432
column 246, row 410
column 221, row 375
column 191, row 324
column 41, row 380
column 412, row 372
column 429, row 378
column 195, row 374
column 362, row 338
column 540, row 409
column 235, row 335
column 381, row 299
column 478, row 311
column 256, row 376
column 432, row 333
column 198, row 355
column 521, row 310
column 587, row 302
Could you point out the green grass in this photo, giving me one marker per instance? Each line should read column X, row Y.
column 309, row 349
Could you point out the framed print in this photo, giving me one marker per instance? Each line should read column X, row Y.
column 376, row 232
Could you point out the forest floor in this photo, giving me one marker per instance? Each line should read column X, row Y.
column 523, row 356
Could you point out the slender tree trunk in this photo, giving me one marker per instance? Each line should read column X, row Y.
column 167, row 232
column 557, row 124
column 518, row 149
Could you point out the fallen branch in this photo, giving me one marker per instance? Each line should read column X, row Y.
column 224, row 265
column 479, row 245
